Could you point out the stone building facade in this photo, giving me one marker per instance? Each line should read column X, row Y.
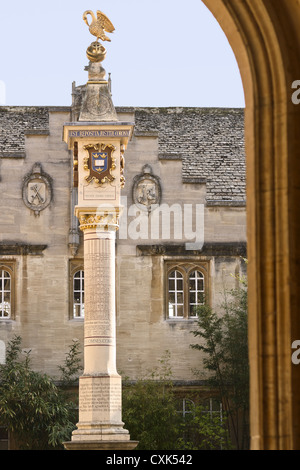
column 182, row 233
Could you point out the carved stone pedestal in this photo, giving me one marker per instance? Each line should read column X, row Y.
column 100, row 423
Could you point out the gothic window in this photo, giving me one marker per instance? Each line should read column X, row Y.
column 196, row 291
column 5, row 294
column 176, row 294
column 78, row 294
column 186, row 289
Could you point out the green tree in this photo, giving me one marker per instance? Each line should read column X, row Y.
column 224, row 340
column 149, row 409
column 202, row 430
column 38, row 413
column 151, row 414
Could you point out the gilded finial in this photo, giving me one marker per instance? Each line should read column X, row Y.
column 99, row 25
column 96, row 51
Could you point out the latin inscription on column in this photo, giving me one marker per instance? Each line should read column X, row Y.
column 108, row 193
column 99, row 300
column 101, row 398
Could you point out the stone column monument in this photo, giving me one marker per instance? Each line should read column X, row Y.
column 98, row 140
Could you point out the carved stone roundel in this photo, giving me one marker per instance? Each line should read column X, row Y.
column 146, row 191
column 37, row 189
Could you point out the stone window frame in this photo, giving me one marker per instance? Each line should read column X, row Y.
column 78, row 276
column 10, row 267
column 74, row 267
column 198, row 292
column 185, row 267
column 178, row 291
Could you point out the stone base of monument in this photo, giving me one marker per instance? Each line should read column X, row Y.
column 100, row 445
column 100, row 425
column 92, row 436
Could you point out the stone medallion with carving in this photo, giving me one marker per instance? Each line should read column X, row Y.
column 37, row 189
column 146, row 191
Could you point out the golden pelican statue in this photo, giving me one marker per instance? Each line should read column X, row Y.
column 99, row 25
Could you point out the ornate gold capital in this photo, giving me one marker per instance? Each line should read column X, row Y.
column 108, row 221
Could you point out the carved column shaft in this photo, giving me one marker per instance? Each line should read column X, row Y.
column 100, row 410
column 99, row 302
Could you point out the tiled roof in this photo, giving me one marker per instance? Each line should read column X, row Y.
column 210, row 142
column 15, row 122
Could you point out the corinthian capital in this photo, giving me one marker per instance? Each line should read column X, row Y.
column 103, row 220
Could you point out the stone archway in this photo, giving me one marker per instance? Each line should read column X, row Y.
column 265, row 37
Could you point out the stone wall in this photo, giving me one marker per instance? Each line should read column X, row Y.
column 173, row 142
column 187, row 151
column 37, row 245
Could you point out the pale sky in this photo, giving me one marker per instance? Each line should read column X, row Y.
column 162, row 53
